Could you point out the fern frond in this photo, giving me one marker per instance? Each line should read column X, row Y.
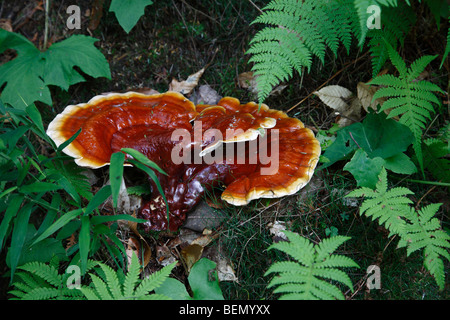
column 306, row 277
column 153, row 281
column 416, row 230
column 292, row 37
column 46, row 272
column 108, row 286
column 42, row 294
column 132, row 277
column 101, row 288
column 411, row 100
column 112, row 281
column 396, row 21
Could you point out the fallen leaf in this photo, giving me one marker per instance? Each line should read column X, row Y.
column 164, row 255
column 205, row 95
column 276, row 229
column 141, row 248
column 186, row 86
column 335, row 97
column 191, row 254
column 247, row 80
column 365, row 95
column 343, row 102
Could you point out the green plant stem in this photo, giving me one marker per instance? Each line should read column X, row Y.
column 437, row 183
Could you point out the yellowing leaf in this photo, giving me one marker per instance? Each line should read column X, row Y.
column 186, row 86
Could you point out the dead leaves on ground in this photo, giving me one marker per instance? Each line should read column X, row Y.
column 348, row 106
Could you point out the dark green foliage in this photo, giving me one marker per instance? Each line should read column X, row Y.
column 373, row 143
column 109, row 286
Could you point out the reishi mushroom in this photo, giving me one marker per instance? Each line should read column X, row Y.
column 255, row 151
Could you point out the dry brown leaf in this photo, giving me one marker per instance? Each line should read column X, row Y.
column 276, row 229
column 6, row 25
column 343, row 102
column 205, row 95
column 186, row 86
column 335, row 97
column 141, row 248
column 191, row 254
column 365, row 95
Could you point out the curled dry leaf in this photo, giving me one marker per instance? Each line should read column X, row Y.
column 205, row 95
column 186, row 86
column 193, row 247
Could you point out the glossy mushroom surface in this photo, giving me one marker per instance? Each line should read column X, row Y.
column 256, row 152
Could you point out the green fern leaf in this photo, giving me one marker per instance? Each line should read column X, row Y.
column 112, row 281
column 306, row 277
column 416, row 230
column 411, row 100
column 42, row 294
column 132, row 277
column 101, row 288
column 153, row 281
column 292, row 37
column 46, row 272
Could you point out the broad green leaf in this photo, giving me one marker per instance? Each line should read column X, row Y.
column 21, row 91
column 204, row 281
column 84, row 241
column 384, row 137
column 400, row 163
column 18, row 237
column 116, row 174
column 365, row 170
column 174, row 289
column 76, row 51
column 98, row 199
column 27, row 77
column 128, row 12
column 376, row 135
column 58, row 224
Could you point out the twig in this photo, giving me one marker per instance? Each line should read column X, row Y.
column 47, row 5
column 323, row 84
column 421, row 198
column 260, row 11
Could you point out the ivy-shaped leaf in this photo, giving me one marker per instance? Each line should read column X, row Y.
column 28, row 76
column 128, row 12
column 377, row 138
column 364, row 169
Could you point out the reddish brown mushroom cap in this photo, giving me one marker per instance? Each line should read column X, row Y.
column 298, row 154
column 117, row 116
column 147, row 122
